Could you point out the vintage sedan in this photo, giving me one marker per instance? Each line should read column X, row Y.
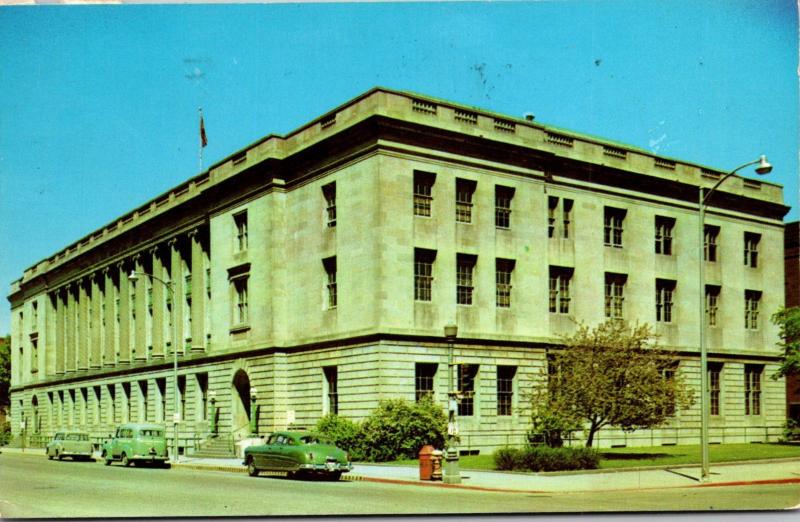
column 73, row 444
column 299, row 453
column 137, row 443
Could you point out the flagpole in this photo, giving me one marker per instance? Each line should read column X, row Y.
column 202, row 144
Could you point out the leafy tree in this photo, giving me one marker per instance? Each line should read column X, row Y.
column 788, row 319
column 5, row 371
column 611, row 375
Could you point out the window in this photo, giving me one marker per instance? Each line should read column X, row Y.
column 202, row 396
column 560, row 278
column 503, row 269
column 502, row 206
column 466, row 389
column 714, row 387
column 161, row 414
column 424, row 375
column 332, row 386
column 329, row 192
column 712, row 304
column 141, row 403
column 34, row 316
column 96, row 404
column 505, row 389
column 464, row 190
column 710, row 234
column 553, row 204
column 240, row 315
column 423, row 192
column 465, row 265
column 664, row 227
column 112, row 400
column 240, row 221
column 668, row 374
column 751, row 249
column 612, row 226
column 752, row 389
column 664, row 290
column 751, row 299
column 615, row 295
column 423, row 273
column 34, row 354
column 182, row 396
column 330, row 281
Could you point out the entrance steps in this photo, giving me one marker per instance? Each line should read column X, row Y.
column 215, row 448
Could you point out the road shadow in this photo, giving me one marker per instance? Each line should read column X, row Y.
column 637, row 456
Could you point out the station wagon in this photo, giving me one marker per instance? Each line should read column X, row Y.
column 73, row 444
column 137, row 443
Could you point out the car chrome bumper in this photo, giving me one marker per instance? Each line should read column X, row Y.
column 334, row 466
column 149, row 457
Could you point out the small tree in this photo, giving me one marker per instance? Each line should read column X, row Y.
column 5, row 371
column 612, row 375
column 788, row 319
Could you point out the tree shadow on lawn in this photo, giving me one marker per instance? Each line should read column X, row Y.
column 638, row 456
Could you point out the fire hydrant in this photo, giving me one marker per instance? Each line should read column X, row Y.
column 436, row 459
column 425, row 464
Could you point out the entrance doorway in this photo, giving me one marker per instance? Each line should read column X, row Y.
column 240, row 398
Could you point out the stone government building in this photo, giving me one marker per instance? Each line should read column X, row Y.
column 316, row 271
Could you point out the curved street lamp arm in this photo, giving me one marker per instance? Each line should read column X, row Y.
column 168, row 284
column 726, row 176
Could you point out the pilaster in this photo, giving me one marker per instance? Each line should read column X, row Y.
column 124, row 356
column 61, row 327
column 83, row 335
column 158, row 304
column 97, row 322
column 69, row 366
column 198, row 292
column 139, row 290
column 176, row 334
column 109, row 319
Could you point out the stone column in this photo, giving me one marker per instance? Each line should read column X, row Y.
column 50, row 334
column 158, row 304
column 71, row 328
column 140, row 311
column 61, row 326
column 109, row 319
column 97, row 322
column 124, row 315
column 198, row 292
column 178, row 299
column 83, row 326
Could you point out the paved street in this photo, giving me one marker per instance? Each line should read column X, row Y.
column 32, row 486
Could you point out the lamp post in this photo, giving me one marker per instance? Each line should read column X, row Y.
column 176, row 416
column 763, row 167
column 253, row 410
column 451, row 472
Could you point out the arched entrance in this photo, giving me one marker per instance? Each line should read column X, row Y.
column 240, row 399
column 35, row 407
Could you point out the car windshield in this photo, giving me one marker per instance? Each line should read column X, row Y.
column 77, row 436
column 151, row 433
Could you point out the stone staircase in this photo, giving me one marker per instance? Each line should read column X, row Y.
column 215, row 448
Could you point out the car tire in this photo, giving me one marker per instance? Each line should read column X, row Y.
column 105, row 458
column 49, row 457
column 335, row 476
column 59, row 456
column 125, row 461
column 252, row 470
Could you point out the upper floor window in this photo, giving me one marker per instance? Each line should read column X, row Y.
column 615, row 295
column 556, row 206
column 612, row 226
column 752, row 389
column 423, row 192
column 424, row 378
column 751, row 301
column 423, row 273
column 664, row 291
column 34, row 354
column 329, row 264
column 503, row 270
column 240, row 222
column 329, row 192
column 560, row 278
column 240, row 315
column 712, row 304
column 465, row 264
column 505, row 389
column 751, row 241
column 710, row 234
column 664, row 227
column 502, row 206
column 465, row 188
column 34, row 316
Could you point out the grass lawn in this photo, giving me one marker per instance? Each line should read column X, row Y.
column 616, row 458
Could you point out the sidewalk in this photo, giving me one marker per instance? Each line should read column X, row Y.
column 754, row 472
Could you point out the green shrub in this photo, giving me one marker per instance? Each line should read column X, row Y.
column 544, row 458
column 399, row 429
column 791, row 431
column 342, row 432
column 5, row 433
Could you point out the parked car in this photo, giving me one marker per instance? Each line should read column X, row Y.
column 137, row 443
column 73, row 444
column 299, row 453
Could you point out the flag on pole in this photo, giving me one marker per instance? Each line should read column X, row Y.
column 203, row 139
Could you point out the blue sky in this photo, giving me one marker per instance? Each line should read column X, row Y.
column 98, row 111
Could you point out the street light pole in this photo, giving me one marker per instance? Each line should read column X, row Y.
column 763, row 168
column 176, row 418
column 451, row 471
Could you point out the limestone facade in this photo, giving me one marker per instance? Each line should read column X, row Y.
column 316, row 271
